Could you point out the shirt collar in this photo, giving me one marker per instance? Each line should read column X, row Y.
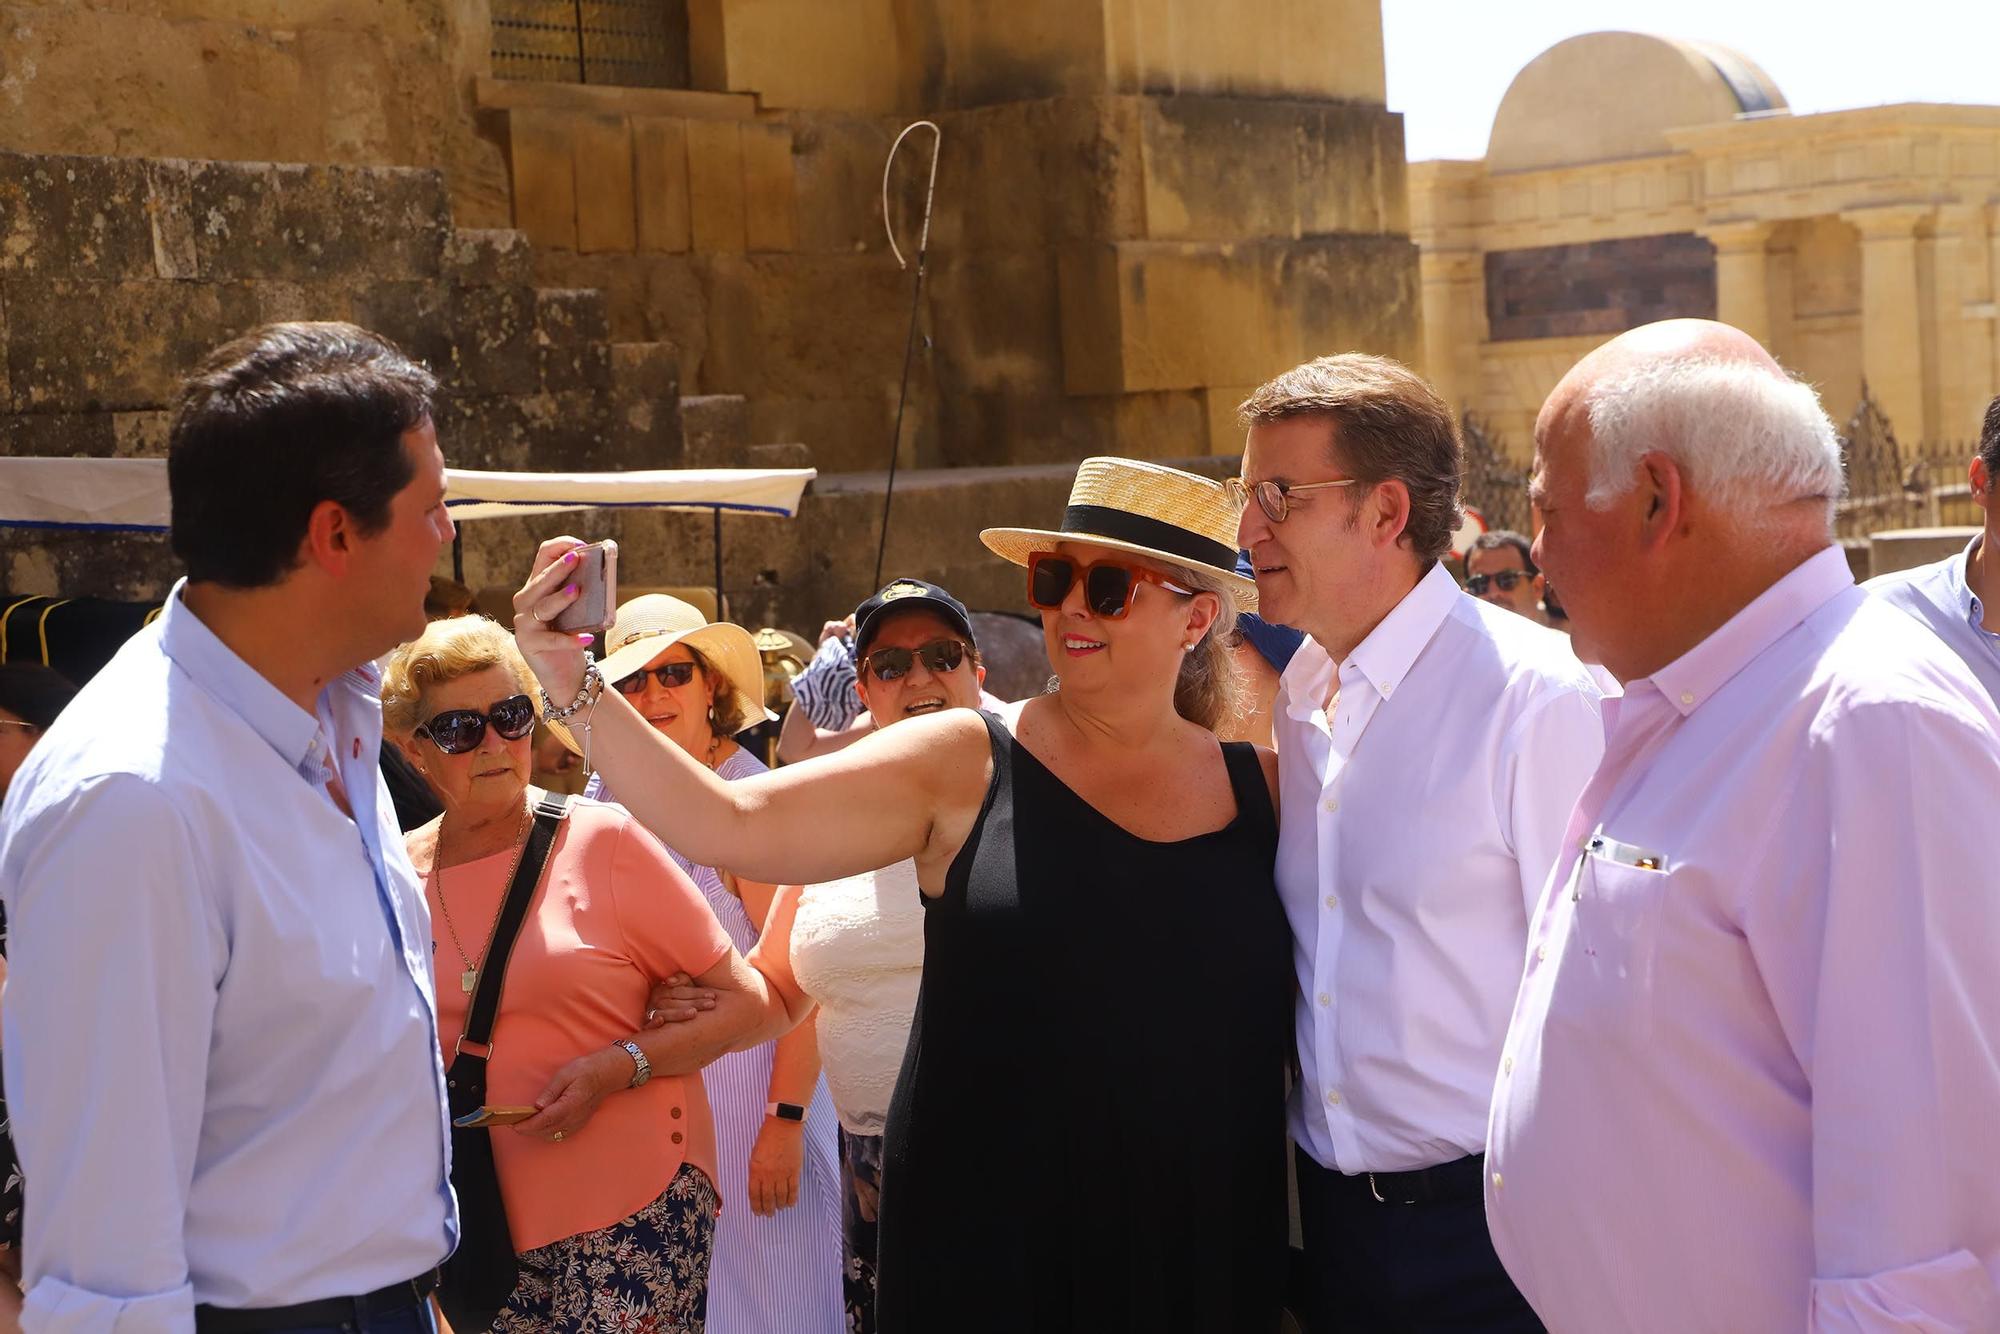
column 1689, row 680
column 1391, row 649
column 1385, row 657
column 235, row 684
column 1960, row 587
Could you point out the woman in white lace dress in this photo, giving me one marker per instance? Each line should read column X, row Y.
column 856, row 946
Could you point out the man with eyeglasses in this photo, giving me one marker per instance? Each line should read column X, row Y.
column 1498, row 570
column 221, row 1041
column 1430, row 747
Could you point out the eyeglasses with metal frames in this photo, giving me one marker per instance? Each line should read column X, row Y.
column 1274, row 498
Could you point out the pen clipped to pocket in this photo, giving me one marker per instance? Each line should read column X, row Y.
column 1625, row 854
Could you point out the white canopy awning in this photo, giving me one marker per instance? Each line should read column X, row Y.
column 131, row 494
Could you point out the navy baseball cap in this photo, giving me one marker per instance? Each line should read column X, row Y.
column 1276, row 643
column 900, row 595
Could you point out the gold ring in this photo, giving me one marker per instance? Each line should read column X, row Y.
column 557, row 1137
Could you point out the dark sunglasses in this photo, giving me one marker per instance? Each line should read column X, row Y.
column 456, row 731
column 1506, row 579
column 673, row 674
column 1108, row 585
column 939, row 657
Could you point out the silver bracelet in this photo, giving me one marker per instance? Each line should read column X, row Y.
column 586, row 693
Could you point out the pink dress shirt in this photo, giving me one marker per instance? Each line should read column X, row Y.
column 1752, row 1081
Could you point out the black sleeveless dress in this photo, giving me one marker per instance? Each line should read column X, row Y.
column 1088, row 1132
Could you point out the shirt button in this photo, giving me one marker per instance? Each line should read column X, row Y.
column 675, row 1113
column 1332, row 901
column 677, row 1137
column 1333, row 1097
column 1331, row 805
column 1687, row 696
column 1325, row 999
column 1542, row 953
column 1496, row 1181
column 1507, row 1066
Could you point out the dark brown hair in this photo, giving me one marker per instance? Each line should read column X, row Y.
column 270, row 425
column 1386, row 424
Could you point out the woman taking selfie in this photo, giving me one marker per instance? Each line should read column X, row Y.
column 1062, row 1152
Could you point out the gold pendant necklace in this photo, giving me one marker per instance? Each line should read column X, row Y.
column 470, row 977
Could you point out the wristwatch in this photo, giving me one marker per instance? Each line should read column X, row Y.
column 786, row 1111
column 642, row 1069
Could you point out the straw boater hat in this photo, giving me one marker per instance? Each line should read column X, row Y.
column 649, row 625
column 1145, row 508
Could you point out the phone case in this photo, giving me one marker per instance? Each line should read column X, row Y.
column 595, row 596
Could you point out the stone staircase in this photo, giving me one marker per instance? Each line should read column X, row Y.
column 118, row 274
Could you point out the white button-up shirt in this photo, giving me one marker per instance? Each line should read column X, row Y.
column 1751, row 1082
column 1940, row 597
column 1420, row 820
column 221, row 1044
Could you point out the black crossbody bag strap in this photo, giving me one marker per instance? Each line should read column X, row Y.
column 549, row 812
column 478, row 1277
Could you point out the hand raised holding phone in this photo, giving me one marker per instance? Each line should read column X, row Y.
column 554, row 585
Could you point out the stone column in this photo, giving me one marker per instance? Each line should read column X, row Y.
column 1742, row 278
column 1454, row 298
column 1892, row 349
column 1964, row 320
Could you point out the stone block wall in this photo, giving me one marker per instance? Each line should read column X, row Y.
column 1108, row 274
column 338, row 81
column 118, row 274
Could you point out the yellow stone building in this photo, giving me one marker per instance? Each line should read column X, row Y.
column 1631, row 178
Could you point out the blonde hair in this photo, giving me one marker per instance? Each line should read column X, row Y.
column 1207, row 689
column 445, row 651
column 726, row 714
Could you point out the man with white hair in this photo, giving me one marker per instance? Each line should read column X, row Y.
column 1751, row 1081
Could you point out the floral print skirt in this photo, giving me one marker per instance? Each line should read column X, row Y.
column 645, row 1275
column 861, row 1174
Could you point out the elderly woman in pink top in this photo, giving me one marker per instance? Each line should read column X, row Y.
column 610, row 1187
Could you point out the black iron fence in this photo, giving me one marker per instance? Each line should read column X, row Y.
column 1889, row 485
column 633, row 43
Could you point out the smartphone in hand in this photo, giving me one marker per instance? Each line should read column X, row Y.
column 596, row 580
column 494, row 1116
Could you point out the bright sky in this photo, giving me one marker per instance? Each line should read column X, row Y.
column 1450, row 61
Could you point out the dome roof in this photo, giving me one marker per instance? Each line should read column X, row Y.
column 1616, row 94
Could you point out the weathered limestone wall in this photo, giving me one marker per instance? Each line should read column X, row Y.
column 1144, row 208
column 352, row 81
column 1109, row 273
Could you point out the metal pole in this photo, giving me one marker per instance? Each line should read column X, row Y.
column 718, row 563
column 916, row 306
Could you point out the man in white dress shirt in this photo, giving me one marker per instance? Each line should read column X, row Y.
column 1959, row 596
column 221, row 1044
column 1751, row 1081
column 1430, row 747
